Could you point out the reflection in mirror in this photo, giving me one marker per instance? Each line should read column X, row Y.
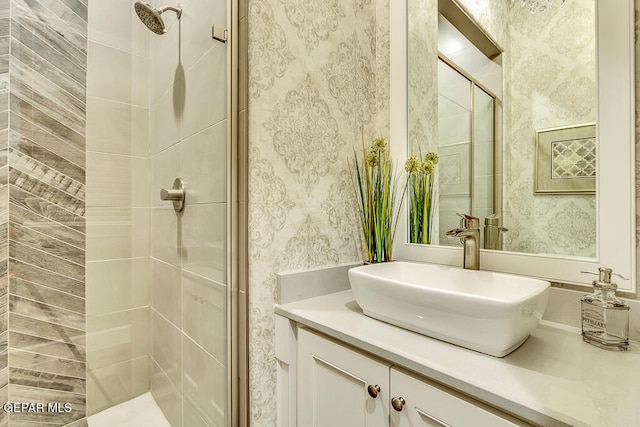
column 414, row 120
column 466, row 139
column 480, row 108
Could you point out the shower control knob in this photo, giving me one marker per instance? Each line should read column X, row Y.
column 373, row 390
column 398, row 403
column 171, row 194
column 175, row 194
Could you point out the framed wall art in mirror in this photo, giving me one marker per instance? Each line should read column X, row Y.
column 565, row 160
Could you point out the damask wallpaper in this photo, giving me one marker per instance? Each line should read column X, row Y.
column 542, row 45
column 318, row 78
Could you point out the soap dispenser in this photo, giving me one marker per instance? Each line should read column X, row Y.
column 605, row 318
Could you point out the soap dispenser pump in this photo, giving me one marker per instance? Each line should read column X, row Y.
column 605, row 317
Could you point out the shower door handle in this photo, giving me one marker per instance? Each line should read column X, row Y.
column 176, row 194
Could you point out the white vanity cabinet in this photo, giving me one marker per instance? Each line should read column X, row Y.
column 423, row 403
column 340, row 386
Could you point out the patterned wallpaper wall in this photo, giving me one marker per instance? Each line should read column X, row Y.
column 539, row 48
column 422, row 75
column 318, row 75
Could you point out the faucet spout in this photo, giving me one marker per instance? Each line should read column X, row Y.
column 469, row 234
column 460, row 232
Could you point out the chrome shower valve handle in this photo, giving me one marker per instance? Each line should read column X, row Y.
column 177, row 194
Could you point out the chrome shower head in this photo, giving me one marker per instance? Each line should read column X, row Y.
column 152, row 16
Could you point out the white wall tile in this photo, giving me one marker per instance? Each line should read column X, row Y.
column 165, row 57
column 191, row 416
column 114, row 23
column 197, row 18
column 167, row 396
column 203, row 240
column 117, row 180
column 140, row 84
column 117, row 285
column 205, row 91
column 204, row 164
column 166, row 120
column 165, row 168
column 204, row 313
column 117, row 383
column 108, row 180
column 114, row 233
column 165, row 238
column 166, row 291
column 166, row 348
column 117, row 128
column 204, row 383
column 109, row 73
column 118, row 337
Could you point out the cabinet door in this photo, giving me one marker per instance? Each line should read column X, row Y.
column 333, row 385
column 425, row 404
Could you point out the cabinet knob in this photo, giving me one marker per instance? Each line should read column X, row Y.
column 398, row 403
column 373, row 390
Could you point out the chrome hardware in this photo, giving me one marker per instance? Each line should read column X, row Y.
column 398, row 403
column 219, row 34
column 605, row 274
column 176, row 194
column 604, row 279
column 493, row 232
column 469, row 234
column 373, row 390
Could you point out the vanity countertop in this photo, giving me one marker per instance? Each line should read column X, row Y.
column 554, row 378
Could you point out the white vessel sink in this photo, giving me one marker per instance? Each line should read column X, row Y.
column 489, row 312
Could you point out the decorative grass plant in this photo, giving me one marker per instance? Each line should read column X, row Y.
column 375, row 188
column 420, row 170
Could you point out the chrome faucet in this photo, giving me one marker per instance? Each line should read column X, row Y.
column 469, row 234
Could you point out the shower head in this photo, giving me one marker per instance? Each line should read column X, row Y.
column 152, row 16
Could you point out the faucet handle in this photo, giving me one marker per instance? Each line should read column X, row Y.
column 468, row 221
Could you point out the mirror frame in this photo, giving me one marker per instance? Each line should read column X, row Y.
column 615, row 183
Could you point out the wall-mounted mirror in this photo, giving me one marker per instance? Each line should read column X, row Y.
column 506, row 96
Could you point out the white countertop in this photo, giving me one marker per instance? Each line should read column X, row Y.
column 554, row 378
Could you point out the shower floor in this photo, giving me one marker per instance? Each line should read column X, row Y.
column 142, row 411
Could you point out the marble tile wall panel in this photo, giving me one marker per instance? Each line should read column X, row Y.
column 32, row 16
column 22, row 128
column 79, row 423
column 74, row 70
column 52, row 214
column 55, row 281
column 44, row 328
column 59, row 349
column 33, row 221
column 4, row 207
column 43, row 49
column 25, row 108
column 31, row 155
column 21, row 393
column 39, row 362
column 4, row 396
column 48, row 98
